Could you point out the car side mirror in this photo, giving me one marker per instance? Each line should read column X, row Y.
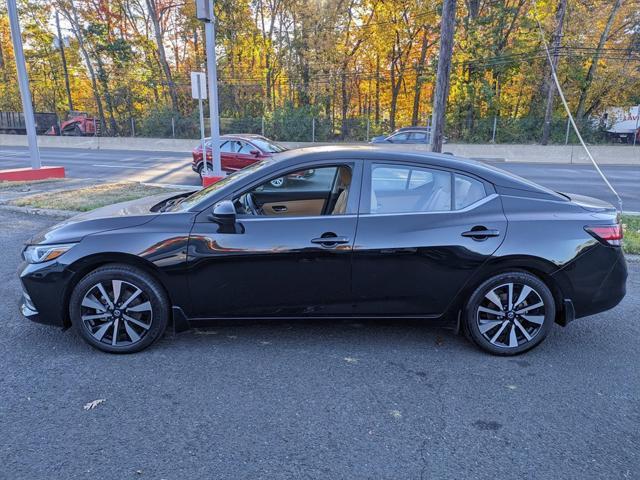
column 255, row 152
column 223, row 213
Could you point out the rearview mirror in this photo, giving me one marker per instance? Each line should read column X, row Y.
column 255, row 152
column 223, row 213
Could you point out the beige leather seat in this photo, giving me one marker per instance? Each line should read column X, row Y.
column 344, row 182
column 440, row 198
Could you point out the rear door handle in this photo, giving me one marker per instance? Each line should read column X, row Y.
column 330, row 241
column 481, row 233
column 279, row 208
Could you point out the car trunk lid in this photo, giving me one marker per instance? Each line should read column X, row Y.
column 589, row 203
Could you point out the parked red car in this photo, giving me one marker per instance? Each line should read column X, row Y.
column 237, row 152
column 241, row 150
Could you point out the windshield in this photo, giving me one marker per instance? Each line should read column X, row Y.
column 267, row 145
column 205, row 193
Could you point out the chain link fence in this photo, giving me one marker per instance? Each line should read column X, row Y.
column 527, row 130
column 296, row 126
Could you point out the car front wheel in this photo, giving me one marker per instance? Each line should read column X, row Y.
column 201, row 168
column 119, row 309
column 510, row 313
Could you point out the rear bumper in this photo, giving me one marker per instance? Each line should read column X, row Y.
column 594, row 282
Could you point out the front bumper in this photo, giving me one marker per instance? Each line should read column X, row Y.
column 44, row 292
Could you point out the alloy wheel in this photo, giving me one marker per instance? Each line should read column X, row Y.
column 277, row 182
column 510, row 315
column 116, row 313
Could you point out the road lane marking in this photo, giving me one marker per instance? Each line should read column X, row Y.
column 120, row 166
column 11, row 155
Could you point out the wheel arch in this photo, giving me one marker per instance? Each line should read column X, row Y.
column 84, row 266
column 540, row 267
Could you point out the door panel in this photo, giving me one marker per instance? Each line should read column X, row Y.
column 229, row 151
column 273, row 268
column 415, row 263
column 278, row 265
column 311, row 207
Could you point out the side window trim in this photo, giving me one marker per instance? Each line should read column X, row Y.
column 365, row 189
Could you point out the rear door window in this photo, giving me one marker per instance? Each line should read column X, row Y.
column 410, row 189
column 467, row 191
column 404, row 189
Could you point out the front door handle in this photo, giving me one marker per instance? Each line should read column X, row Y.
column 481, row 233
column 279, row 208
column 330, row 241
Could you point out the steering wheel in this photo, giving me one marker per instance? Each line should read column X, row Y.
column 250, row 204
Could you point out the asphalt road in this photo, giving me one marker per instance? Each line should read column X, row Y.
column 175, row 168
column 321, row 400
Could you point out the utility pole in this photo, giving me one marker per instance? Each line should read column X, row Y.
column 23, row 82
column 63, row 57
column 447, row 28
column 551, row 87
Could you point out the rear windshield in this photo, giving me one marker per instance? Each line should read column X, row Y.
column 528, row 183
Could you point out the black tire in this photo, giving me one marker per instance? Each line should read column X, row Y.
column 150, row 320
column 524, row 327
column 201, row 168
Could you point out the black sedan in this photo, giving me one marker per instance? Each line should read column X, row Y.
column 374, row 233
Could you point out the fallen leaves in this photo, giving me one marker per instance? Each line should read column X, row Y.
column 93, row 404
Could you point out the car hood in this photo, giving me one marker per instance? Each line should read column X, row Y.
column 111, row 217
column 378, row 139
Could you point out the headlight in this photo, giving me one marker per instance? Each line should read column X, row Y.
column 44, row 253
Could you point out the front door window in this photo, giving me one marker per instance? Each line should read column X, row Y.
column 308, row 192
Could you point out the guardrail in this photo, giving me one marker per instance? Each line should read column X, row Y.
column 566, row 154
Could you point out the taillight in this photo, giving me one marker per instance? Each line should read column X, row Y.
column 609, row 234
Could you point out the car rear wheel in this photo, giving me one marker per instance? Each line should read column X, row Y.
column 510, row 313
column 119, row 309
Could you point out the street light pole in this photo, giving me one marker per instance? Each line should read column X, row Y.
column 635, row 132
column 23, row 82
column 212, row 83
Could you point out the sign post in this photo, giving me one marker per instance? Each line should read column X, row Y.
column 23, row 82
column 199, row 92
column 205, row 13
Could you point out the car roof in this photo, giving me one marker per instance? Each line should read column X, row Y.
column 239, row 136
column 405, row 129
column 382, row 153
column 409, row 130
